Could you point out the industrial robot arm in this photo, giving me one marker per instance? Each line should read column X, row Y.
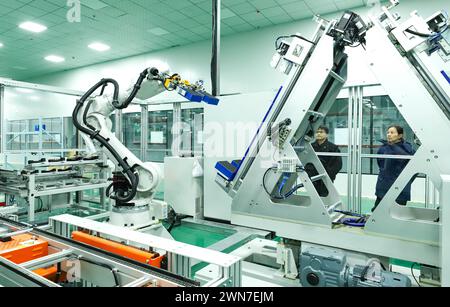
column 137, row 181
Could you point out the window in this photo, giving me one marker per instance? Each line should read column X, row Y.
column 160, row 133
column 132, row 132
column 379, row 112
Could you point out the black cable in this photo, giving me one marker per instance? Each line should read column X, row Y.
column 277, row 45
column 58, row 273
column 101, row 83
column 113, row 270
column 424, row 34
column 86, row 110
column 281, row 197
column 264, row 180
column 412, row 273
column 135, row 90
column 133, row 177
column 364, row 273
column 356, row 46
column 418, row 33
column 126, row 169
column 108, row 190
column 176, row 218
column 303, row 38
column 214, row 55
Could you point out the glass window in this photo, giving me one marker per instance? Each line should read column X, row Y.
column 191, row 128
column 337, row 122
column 160, row 133
column 132, row 132
column 379, row 113
column 70, row 133
column 50, row 132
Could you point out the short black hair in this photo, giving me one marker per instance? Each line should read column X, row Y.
column 327, row 131
column 398, row 128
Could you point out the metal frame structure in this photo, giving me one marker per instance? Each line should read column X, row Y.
column 180, row 255
column 172, row 104
column 299, row 100
column 41, row 133
column 418, row 224
column 406, row 233
column 24, row 85
column 66, row 253
column 31, row 184
column 445, row 231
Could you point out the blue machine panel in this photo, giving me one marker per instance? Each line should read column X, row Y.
column 446, row 76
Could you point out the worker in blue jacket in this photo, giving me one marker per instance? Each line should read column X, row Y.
column 390, row 169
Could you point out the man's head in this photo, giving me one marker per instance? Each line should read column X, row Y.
column 322, row 134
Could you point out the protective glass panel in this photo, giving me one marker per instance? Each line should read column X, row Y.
column 161, row 138
column 159, row 135
column 337, row 123
column 132, row 132
column 38, row 121
column 192, row 126
column 380, row 113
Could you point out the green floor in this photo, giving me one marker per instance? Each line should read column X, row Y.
column 199, row 235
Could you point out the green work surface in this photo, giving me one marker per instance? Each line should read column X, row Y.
column 199, row 235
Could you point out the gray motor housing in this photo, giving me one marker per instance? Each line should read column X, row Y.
column 327, row 267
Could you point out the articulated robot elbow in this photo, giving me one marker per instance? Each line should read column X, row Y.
column 141, row 177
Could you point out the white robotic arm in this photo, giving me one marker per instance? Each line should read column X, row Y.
column 134, row 186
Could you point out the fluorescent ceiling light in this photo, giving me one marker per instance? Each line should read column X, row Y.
column 99, row 47
column 54, row 59
column 1, row 45
column 35, row 98
column 24, row 90
column 158, row 31
column 32, row 27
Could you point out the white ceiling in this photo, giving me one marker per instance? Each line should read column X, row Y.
column 131, row 27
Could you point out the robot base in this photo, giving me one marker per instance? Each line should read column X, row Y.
column 132, row 217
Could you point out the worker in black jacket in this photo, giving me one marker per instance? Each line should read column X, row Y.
column 332, row 164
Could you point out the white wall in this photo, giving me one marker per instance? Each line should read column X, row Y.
column 30, row 104
column 244, row 63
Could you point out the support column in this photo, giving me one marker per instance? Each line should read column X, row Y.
column 2, row 120
column 445, row 231
column 215, row 63
column 177, row 130
column 144, row 132
column 119, row 125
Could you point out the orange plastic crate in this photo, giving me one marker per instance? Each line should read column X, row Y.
column 23, row 248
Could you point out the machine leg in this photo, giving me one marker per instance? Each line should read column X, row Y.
column 445, row 231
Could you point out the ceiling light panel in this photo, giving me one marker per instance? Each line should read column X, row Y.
column 32, row 27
